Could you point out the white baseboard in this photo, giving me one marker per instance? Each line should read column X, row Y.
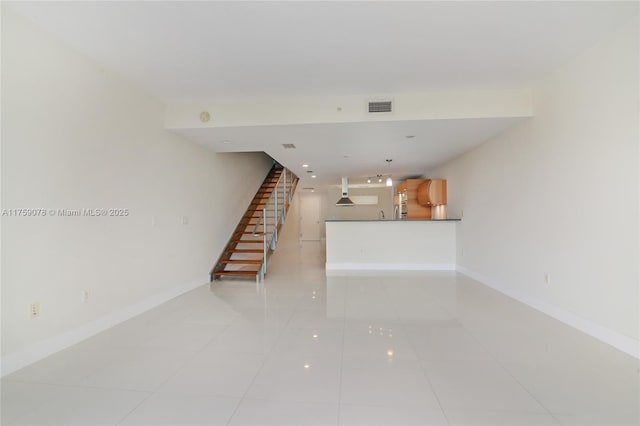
column 335, row 267
column 17, row 360
column 619, row 341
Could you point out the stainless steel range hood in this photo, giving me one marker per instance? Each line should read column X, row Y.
column 345, row 201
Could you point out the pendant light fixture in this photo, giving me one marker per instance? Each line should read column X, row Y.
column 389, row 181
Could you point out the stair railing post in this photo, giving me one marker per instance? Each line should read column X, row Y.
column 275, row 215
column 284, row 198
column 290, row 188
column 264, row 241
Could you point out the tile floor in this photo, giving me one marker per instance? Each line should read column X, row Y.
column 387, row 349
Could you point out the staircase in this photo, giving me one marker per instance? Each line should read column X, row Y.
column 256, row 235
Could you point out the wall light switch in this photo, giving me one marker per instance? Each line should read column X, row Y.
column 34, row 310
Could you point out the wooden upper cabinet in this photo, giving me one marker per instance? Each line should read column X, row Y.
column 414, row 210
column 423, row 195
column 438, row 192
column 432, row 192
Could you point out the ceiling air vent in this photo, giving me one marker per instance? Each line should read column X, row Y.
column 288, row 146
column 380, row 106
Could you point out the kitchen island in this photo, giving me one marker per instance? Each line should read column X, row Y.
column 390, row 245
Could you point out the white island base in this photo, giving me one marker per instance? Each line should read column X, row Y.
column 390, row 245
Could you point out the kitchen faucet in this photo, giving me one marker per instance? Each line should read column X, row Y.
column 381, row 215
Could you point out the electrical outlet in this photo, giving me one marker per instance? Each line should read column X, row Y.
column 34, row 310
column 547, row 278
column 84, row 296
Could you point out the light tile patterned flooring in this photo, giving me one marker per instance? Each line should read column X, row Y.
column 386, row 349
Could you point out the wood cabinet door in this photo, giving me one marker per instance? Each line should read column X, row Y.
column 423, row 194
column 438, row 192
column 414, row 209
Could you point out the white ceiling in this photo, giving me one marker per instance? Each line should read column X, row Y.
column 199, row 51
column 181, row 50
column 357, row 150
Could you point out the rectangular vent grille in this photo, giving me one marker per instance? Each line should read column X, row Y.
column 288, row 146
column 381, row 106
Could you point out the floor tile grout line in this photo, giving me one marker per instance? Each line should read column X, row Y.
column 135, row 408
column 494, row 358
column 82, row 386
column 265, row 358
column 426, row 376
column 478, row 307
column 182, row 365
column 344, row 336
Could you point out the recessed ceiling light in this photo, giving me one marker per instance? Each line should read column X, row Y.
column 226, row 142
column 368, row 180
column 305, row 165
column 313, row 176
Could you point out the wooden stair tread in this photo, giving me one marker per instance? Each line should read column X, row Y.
column 264, row 198
column 242, row 261
column 236, row 273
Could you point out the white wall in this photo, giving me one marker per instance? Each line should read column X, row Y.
column 313, row 213
column 391, row 245
column 558, row 194
column 511, row 102
column 289, row 235
column 385, row 203
column 75, row 135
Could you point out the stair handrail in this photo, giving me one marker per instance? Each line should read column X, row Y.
column 279, row 213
